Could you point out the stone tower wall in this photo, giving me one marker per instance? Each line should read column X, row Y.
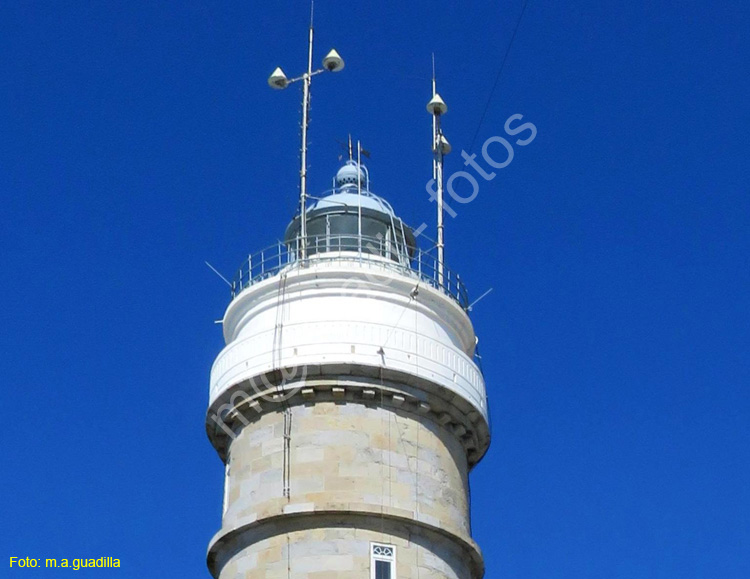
column 357, row 473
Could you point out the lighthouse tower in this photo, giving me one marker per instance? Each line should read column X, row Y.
column 347, row 405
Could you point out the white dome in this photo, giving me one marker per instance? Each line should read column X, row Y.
column 347, row 175
column 350, row 198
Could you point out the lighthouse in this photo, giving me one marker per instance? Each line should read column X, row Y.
column 347, row 405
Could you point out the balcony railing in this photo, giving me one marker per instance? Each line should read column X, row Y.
column 369, row 252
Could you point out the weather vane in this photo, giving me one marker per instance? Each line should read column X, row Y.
column 278, row 80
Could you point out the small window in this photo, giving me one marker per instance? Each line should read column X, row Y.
column 382, row 561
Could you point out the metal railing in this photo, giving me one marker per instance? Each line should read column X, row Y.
column 419, row 264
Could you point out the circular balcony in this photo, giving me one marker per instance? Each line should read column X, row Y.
column 369, row 252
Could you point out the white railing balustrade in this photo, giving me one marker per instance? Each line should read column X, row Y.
column 415, row 262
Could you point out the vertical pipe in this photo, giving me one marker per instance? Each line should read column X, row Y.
column 359, row 196
column 439, row 179
column 303, row 152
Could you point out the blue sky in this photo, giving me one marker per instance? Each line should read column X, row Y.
column 140, row 139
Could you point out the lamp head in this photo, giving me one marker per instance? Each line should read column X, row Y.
column 445, row 146
column 437, row 106
column 278, row 79
column 333, row 62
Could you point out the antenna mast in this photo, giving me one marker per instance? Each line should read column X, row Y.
column 306, row 79
column 440, row 147
column 278, row 80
